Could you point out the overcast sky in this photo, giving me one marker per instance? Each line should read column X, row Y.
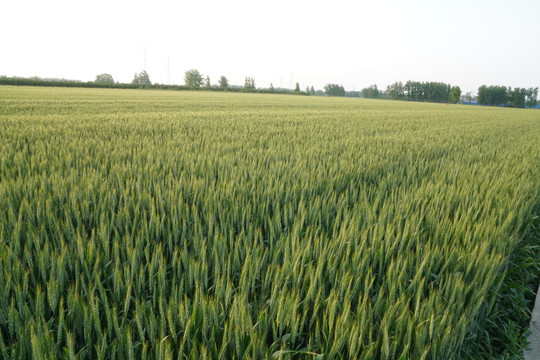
column 352, row 43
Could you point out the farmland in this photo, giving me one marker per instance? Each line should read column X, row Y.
column 160, row 224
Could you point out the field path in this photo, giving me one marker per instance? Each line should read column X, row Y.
column 534, row 336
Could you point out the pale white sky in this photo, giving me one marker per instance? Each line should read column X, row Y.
column 353, row 43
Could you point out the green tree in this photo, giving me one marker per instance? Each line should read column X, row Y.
column 297, row 88
column 223, row 82
column 396, row 91
column 492, row 95
column 531, row 97
column 105, row 79
column 334, row 90
column 370, row 92
column 207, row 81
column 141, row 78
column 499, row 95
column 483, row 95
column 249, row 83
column 516, row 97
column 455, row 94
column 193, row 78
column 373, row 91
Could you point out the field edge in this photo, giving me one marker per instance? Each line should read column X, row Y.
column 502, row 331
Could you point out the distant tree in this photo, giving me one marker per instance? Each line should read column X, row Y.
column 483, row 96
column 144, row 79
column 395, row 91
column 531, row 97
column 370, row 92
column 492, row 95
column 516, row 97
column 297, row 88
column 307, row 90
column 272, row 87
column 373, row 91
column 249, row 83
column 193, row 78
column 312, row 90
column 141, row 78
column 455, row 94
column 416, row 91
column 334, row 90
column 419, row 91
column 436, row 91
column 499, row 95
column 106, row 79
column 207, row 81
column 223, row 82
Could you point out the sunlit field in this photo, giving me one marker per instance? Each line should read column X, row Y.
column 187, row 225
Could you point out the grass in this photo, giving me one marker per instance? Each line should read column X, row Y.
column 157, row 224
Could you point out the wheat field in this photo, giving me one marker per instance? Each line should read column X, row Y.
column 193, row 225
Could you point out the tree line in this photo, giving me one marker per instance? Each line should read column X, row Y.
column 193, row 80
column 506, row 96
column 441, row 92
column 410, row 91
column 142, row 81
column 438, row 92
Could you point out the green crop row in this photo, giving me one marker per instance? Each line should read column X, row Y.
column 159, row 225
